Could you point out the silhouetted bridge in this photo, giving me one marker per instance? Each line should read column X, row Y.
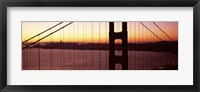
column 120, row 54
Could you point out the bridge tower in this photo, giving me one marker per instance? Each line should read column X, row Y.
column 114, row 59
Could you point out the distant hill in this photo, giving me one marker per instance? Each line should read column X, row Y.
column 162, row 46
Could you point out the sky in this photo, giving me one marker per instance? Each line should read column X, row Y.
column 98, row 32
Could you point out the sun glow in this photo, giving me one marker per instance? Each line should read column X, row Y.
column 98, row 32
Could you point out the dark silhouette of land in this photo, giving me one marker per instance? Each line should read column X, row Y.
column 162, row 46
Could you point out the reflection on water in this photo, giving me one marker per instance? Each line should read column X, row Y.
column 91, row 59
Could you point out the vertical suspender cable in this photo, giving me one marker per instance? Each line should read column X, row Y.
column 60, row 51
column 156, row 56
column 140, row 42
column 51, row 60
column 136, row 58
column 78, row 46
column 63, row 46
column 130, row 52
column 49, row 52
column 92, row 45
column 134, row 43
column 155, row 47
column 138, row 52
column 160, row 53
column 153, row 59
column 83, row 43
column 86, row 43
column 153, row 62
column 26, row 56
column 27, row 62
column 52, row 52
column 156, row 64
column 157, row 59
column 135, row 38
column 39, row 53
column 69, row 48
column 106, row 46
column 74, row 44
column 148, row 24
column 141, row 53
column 99, row 47
column 129, row 27
column 144, row 64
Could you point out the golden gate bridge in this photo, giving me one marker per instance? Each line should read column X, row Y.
column 126, row 59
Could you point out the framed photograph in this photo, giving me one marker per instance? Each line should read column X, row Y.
column 123, row 45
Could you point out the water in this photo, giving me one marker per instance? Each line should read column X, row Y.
column 56, row 59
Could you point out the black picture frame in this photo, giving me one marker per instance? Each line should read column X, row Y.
column 98, row 3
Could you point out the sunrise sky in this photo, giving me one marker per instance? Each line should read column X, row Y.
column 97, row 32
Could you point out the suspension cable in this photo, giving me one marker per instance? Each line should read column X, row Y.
column 163, row 31
column 151, row 31
column 42, row 32
column 47, row 35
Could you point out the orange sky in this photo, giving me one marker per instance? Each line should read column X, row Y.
column 85, row 32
